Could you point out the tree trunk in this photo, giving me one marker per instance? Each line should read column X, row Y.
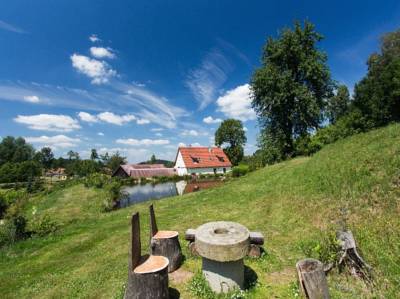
column 170, row 248
column 147, row 285
column 312, row 279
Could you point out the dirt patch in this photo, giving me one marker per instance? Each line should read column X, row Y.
column 282, row 277
column 180, row 276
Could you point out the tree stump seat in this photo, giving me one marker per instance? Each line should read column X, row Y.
column 165, row 234
column 151, row 264
column 165, row 243
column 147, row 275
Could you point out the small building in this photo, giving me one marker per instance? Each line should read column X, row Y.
column 143, row 170
column 58, row 173
column 201, row 160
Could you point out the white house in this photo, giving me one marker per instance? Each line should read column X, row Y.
column 201, row 160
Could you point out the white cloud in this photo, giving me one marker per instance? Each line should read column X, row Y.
column 205, row 81
column 115, row 119
column 99, row 71
column 31, row 99
column 140, row 142
column 100, row 134
column 181, row 144
column 158, row 134
column 49, row 122
column 9, row 27
column 190, row 133
column 100, row 52
column 57, row 141
column 211, row 120
column 87, row 117
column 157, row 129
column 94, row 38
column 236, row 103
column 142, row 121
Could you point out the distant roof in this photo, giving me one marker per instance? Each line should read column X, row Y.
column 201, row 157
column 147, row 170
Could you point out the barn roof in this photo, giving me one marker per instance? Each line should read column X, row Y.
column 202, row 157
column 146, row 170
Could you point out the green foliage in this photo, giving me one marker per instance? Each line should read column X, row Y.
column 240, row 170
column 10, row 197
column 45, row 157
column 338, row 105
column 290, row 88
column 114, row 195
column 324, row 248
column 96, row 180
column 115, row 161
column 15, row 150
column 19, row 172
column 93, row 154
column 231, row 132
column 377, row 95
column 43, row 225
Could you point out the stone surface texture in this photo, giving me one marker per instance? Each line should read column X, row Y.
column 223, row 277
column 222, row 241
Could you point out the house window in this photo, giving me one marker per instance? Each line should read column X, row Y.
column 215, row 171
column 195, row 159
column 221, row 159
column 224, row 170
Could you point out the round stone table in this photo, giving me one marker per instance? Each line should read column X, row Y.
column 223, row 245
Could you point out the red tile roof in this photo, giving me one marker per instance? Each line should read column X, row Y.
column 201, row 157
column 146, row 170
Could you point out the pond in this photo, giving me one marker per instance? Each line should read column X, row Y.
column 140, row 193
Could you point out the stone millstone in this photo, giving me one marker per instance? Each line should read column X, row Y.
column 222, row 241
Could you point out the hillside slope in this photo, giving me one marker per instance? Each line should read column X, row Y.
column 296, row 204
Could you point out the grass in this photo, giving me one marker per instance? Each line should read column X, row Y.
column 295, row 204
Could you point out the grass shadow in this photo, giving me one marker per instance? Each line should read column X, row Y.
column 250, row 278
column 173, row 293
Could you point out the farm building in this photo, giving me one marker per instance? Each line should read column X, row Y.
column 201, row 160
column 143, row 170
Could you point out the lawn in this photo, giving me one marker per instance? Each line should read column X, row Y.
column 295, row 204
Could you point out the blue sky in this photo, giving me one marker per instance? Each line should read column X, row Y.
column 142, row 77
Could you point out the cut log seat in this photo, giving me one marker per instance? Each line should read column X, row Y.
column 165, row 234
column 256, row 238
column 152, row 264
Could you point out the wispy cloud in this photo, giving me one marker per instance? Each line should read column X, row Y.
column 94, row 38
column 208, row 78
column 100, row 52
column 9, row 27
column 117, row 97
column 49, row 122
column 211, row 120
column 140, row 142
column 57, row 141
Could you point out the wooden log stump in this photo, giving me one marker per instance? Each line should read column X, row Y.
column 165, row 243
column 147, row 275
column 312, row 279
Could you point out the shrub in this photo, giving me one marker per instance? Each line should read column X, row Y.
column 113, row 196
column 240, row 170
column 97, row 180
column 43, row 225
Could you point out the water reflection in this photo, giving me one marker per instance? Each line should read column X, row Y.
column 140, row 193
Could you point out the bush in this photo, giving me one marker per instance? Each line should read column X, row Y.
column 43, row 225
column 10, row 197
column 113, row 196
column 97, row 180
column 240, row 170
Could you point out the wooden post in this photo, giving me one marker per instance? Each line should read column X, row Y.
column 153, row 223
column 312, row 279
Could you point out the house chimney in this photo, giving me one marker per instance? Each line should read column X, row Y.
column 209, row 149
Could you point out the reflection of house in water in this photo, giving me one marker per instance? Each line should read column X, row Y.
column 183, row 187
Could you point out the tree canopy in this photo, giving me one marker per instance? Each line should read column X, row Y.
column 377, row 95
column 15, row 150
column 290, row 88
column 338, row 105
column 231, row 133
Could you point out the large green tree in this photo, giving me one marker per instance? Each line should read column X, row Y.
column 115, row 161
column 45, row 157
column 15, row 150
column 338, row 105
column 231, row 134
column 377, row 95
column 290, row 88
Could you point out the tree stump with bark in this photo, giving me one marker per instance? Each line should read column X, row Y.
column 312, row 279
column 147, row 275
column 165, row 243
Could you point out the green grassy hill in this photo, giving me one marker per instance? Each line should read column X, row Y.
column 296, row 204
